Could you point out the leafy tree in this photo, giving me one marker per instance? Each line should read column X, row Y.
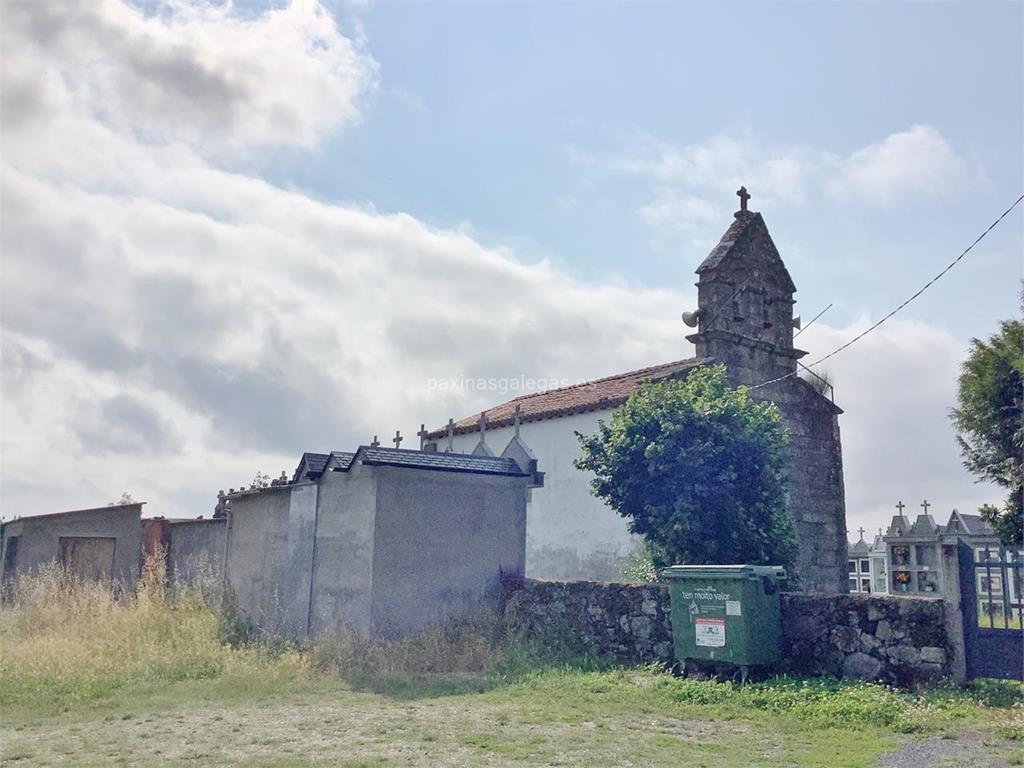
column 696, row 467
column 989, row 420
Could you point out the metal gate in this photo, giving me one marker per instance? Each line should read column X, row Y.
column 991, row 601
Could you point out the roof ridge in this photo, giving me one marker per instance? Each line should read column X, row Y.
column 589, row 382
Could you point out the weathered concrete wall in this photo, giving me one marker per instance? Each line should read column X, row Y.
column 257, row 556
column 443, row 540
column 39, row 538
column 195, row 549
column 896, row 639
column 296, row 588
column 344, row 558
column 570, row 533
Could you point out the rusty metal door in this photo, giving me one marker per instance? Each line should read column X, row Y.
column 88, row 557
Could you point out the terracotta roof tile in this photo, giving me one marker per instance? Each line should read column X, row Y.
column 596, row 395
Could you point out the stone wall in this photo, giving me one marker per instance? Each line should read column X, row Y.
column 869, row 637
column 895, row 639
column 627, row 622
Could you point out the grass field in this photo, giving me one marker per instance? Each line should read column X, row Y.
column 86, row 679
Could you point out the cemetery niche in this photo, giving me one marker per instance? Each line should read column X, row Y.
column 380, row 541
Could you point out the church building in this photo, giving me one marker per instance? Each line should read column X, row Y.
column 744, row 319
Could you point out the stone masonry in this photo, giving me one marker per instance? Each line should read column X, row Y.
column 896, row 640
column 745, row 320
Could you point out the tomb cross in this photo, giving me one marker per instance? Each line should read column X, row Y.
column 375, row 443
column 861, row 531
column 422, row 435
column 743, row 195
column 901, row 506
column 451, row 435
column 397, row 439
column 925, row 505
column 516, row 414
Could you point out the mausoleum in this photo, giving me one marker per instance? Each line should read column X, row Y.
column 379, row 541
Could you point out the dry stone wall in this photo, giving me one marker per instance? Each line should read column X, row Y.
column 899, row 640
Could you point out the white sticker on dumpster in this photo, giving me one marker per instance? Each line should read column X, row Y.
column 732, row 608
column 710, row 632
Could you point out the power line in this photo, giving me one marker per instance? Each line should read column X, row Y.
column 923, row 288
column 826, row 309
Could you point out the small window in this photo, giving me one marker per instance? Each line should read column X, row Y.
column 865, row 566
column 851, row 565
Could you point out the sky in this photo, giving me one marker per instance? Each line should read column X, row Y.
column 232, row 233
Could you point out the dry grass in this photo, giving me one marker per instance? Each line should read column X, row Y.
column 95, row 675
column 64, row 640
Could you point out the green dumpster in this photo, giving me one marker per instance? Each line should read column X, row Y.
column 725, row 613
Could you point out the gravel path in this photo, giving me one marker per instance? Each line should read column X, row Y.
column 970, row 750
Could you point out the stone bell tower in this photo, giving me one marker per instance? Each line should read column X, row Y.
column 745, row 303
column 744, row 319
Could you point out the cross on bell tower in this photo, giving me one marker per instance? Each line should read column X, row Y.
column 743, row 195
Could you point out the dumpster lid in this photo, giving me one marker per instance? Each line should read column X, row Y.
column 724, row 572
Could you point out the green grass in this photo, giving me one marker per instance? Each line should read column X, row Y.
column 86, row 679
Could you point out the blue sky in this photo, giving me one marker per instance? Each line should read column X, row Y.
column 237, row 232
column 483, row 110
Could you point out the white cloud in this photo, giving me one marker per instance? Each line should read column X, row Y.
column 687, row 178
column 190, row 71
column 175, row 326
column 170, row 327
column 918, row 160
column 896, row 386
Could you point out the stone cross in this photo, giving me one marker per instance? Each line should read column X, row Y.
column 743, row 196
column 516, row 415
column 451, row 435
column 397, row 439
column 375, row 443
column 422, row 435
column 925, row 505
column 901, row 506
column 861, row 531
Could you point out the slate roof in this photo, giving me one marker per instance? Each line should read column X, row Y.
column 735, row 236
column 444, row 462
column 315, row 463
column 925, row 525
column 597, row 395
column 343, row 458
column 860, row 548
column 974, row 525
